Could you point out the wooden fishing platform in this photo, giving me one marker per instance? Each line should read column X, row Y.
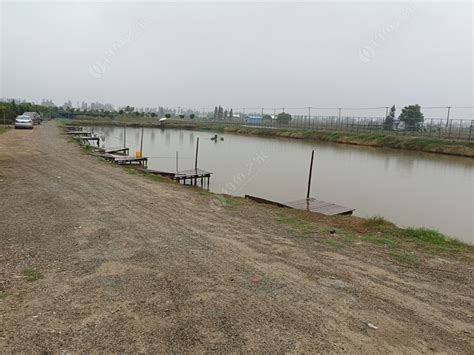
column 71, row 128
column 129, row 160
column 77, row 133
column 118, row 151
column 193, row 175
column 186, row 177
column 122, row 159
column 308, row 204
column 88, row 139
column 317, row 206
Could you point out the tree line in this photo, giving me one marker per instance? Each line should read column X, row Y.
column 411, row 116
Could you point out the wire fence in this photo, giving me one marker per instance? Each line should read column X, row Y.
column 437, row 128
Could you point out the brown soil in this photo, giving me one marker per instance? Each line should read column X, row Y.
column 129, row 264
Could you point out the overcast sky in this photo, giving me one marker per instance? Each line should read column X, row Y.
column 197, row 54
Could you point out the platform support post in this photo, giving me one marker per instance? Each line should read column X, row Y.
column 310, row 174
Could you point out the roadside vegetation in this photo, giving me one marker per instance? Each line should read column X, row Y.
column 4, row 129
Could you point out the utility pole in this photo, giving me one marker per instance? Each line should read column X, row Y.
column 447, row 117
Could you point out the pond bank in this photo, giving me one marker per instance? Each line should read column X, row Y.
column 429, row 145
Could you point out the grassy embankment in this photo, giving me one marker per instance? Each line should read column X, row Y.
column 378, row 139
column 409, row 246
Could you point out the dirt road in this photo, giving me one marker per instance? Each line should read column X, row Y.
column 95, row 259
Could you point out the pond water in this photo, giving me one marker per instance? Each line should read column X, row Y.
column 407, row 188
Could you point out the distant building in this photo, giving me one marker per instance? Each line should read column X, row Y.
column 254, row 119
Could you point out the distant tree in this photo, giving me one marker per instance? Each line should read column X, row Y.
column 225, row 114
column 14, row 108
column 137, row 113
column 267, row 119
column 215, row 113
column 412, row 116
column 129, row 109
column 181, row 116
column 220, row 113
column 121, row 112
column 388, row 123
column 153, row 114
column 231, row 113
column 283, row 118
column 168, row 115
column 191, row 116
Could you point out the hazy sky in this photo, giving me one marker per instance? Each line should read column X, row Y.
column 242, row 54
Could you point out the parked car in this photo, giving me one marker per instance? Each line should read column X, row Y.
column 35, row 117
column 23, row 122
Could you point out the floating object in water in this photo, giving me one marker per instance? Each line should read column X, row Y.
column 222, row 138
column 214, row 138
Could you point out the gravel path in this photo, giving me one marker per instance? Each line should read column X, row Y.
column 128, row 264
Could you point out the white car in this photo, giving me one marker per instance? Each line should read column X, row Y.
column 23, row 122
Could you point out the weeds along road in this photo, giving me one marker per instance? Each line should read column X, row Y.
column 95, row 259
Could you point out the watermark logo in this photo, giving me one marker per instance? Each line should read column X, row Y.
column 239, row 180
column 103, row 62
column 367, row 52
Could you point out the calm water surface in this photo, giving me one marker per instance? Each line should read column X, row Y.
column 407, row 188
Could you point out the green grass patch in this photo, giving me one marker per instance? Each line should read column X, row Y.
column 31, row 274
column 4, row 129
column 377, row 221
column 339, row 243
column 291, row 221
column 156, row 177
column 230, row 202
column 153, row 177
column 3, row 295
column 433, row 238
column 297, row 226
column 389, row 241
column 405, row 257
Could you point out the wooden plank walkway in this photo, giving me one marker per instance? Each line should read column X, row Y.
column 310, row 204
